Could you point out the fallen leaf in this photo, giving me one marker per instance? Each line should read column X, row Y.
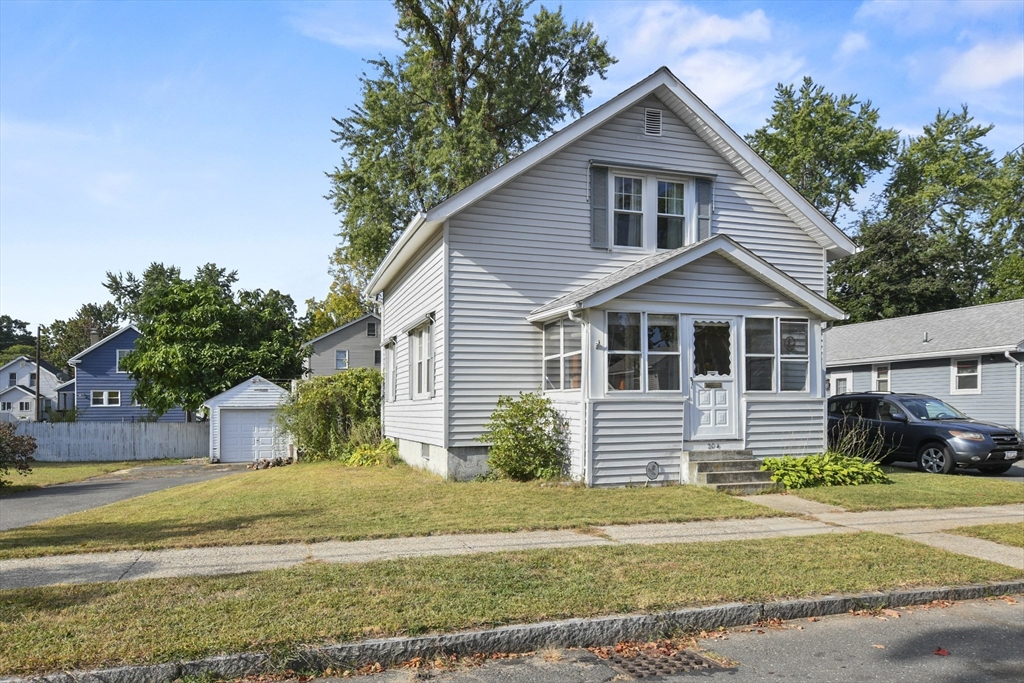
column 1007, row 599
column 880, row 647
column 892, row 613
column 882, row 618
column 942, row 652
column 813, row 619
column 799, row 628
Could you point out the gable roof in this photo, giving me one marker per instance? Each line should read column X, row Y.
column 65, row 385
column 77, row 357
column 647, row 269
column 989, row 328
column 241, row 387
column 346, row 325
column 45, row 365
column 27, row 392
column 690, row 109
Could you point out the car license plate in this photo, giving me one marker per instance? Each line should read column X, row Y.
column 1011, row 455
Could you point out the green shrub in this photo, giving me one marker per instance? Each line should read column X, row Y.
column 529, row 439
column 15, row 451
column 827, row 469
column 383, row 454
column 324, row 413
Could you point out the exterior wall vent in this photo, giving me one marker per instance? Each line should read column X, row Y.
column 652, row 122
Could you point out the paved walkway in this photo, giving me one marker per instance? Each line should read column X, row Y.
column 920, row 525
column 39, row 505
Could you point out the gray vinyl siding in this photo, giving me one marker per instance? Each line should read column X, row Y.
column 418, row 292
column 353, row 339
column 711, row 280
column 570, row 405
column 529, row 242
column 629, row 434
column 785, row 427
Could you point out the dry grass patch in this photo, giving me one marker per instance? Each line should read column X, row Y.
column 1006, row 534
column 326, row 501
column 919, row 490
column 69, row 627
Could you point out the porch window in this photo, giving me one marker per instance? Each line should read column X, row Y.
column 629, row 216
column 966, row 376
column 671, row 221
column 625, row 353
column 795, row 357
column 881, row 378
column 760, row 354
column 663, row 370
column 563, row 355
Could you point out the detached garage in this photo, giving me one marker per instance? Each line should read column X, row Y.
column 242, row 425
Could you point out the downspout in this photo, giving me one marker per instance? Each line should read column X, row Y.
column 1018, row 363
column 584, row 398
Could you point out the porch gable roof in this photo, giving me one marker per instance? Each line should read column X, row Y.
column 645, row 270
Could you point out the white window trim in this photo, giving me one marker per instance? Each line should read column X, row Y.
column 547, row 354
column 834, row 377
column 649, row 233
column 425, row 332
column 953, row 375
column 805, row 358
column 338, row 358
column 12, row 379
column 24, row 406
column 644, row 357
column 774, row 357
column 369, row 324
column 390, row 373
column 106, row 398
column 7, row 406
column 888, row 377
column 117, row 361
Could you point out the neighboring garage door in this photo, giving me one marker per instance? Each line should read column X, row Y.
column 246, row 435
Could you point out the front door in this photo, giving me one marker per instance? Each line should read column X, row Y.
column 712, row 374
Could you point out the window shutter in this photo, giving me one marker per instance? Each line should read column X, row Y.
column 599, row 207
column 703, row 209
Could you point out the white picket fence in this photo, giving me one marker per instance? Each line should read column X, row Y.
column 117, row 441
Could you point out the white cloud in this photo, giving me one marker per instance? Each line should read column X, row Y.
column 915, row 16
column 671, row 28
column 351, row 25
column 723, row 77
column 984, row 66
column 853, row 43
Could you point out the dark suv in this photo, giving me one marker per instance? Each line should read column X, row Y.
column 922, row 428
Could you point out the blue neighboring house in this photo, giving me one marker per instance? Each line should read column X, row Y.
column 102, row 391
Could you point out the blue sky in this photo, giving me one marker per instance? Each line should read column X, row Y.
column 196, row 132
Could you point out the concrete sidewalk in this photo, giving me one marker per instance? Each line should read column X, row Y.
column 920, row 525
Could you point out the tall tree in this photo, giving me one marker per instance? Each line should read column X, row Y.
column 128, row 289
column 826, row 146
column 343, row 303
column 200, row 338
column 63, row 339
column 478, row 82
column 1006, row 229
column 14, row 331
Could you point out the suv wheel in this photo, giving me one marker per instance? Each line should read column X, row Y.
column 936, row 459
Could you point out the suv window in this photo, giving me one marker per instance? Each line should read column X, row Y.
column 886, row 410
column 854, row 407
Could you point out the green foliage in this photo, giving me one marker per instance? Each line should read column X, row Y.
column 199, row 339
column 343, row 303
column 384, row 454
column 14, row 332
column 69, row 415
column 63, row 339
column 528, row 437
column 477, row 84
column 16, row 350
column 323, row 412
column 823, row 144
column 827, row 469
column 15, row 452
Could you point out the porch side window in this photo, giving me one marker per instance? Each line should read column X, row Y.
column 663, row 369
column 760, row 354
column 966, row 376
column 624, row 351
column 671, row 215
column 628, row 227
column 563, row 355
column 881, row 378
column 795, row 358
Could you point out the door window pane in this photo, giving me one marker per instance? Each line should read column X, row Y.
column 759, row 374
column 711, row 349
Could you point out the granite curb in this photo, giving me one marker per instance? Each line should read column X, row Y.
column 586, row 632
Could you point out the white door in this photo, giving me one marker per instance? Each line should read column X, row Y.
column 712, row 374
column 247, row 435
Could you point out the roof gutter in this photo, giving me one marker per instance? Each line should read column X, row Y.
column 842, row 362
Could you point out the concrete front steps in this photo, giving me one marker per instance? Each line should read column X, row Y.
column 736, row 472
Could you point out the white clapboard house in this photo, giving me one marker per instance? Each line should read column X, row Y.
column 643, row 268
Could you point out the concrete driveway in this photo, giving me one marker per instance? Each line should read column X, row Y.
column 31, row 507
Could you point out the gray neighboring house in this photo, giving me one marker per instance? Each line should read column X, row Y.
column 969, row 357
column 353, row 345
column 645, row 269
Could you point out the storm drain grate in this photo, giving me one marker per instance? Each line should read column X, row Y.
column 654, row 664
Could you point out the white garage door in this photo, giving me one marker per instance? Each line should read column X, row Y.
column 247, row 435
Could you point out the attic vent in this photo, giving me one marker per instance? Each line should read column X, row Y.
column 652, row 122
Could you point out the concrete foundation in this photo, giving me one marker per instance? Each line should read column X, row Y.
column 456, row 464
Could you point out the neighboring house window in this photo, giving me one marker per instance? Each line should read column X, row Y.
column 790, row 355
column 371, row 329
column 376, row 356
column 563, row 355
column 12, row 379
column 7, row 406
column 341, row 360
column 121, row 353
column 628, row 221
column 24, row 406
column 966, row 376
column 106, row 398
column 422, row 375
column 760, row 354
column 32, row 379
column 880, row 379
column 671, row 215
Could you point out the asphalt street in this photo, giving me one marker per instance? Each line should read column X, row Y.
column 984, row 640
column 31, row 507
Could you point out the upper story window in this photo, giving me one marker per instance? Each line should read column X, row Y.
column 32, row 379
column 563, row 355
column 671, row 214
column 376, row 356
column 12, row 379
column 121, row 353
column 371, row 329
column 6, row 406
column 629, row 216
column 966, row 376
column 106, row 398
column 341, row 360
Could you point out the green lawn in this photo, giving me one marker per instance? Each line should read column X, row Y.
column 919, row 490
column 69, row 627
column 1007, row 534
column 325, row 501
column 49, row 473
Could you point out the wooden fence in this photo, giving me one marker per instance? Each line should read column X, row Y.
column 117, row 441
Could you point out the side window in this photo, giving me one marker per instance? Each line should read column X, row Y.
column 371, row 329
column 341, row 360
column 865, row 408
column 886, row 410
column 376, row 356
